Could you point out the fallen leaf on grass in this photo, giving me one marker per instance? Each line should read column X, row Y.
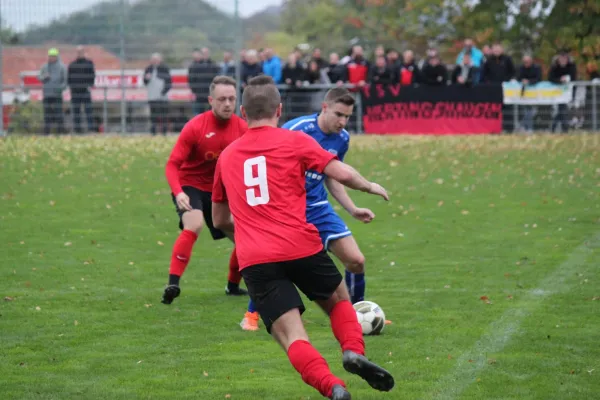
column 52, row 203
column 130, row 262
column 470, row 361
column 465, row 212
column 492, row 361
column 447, row 287
column 449, row 356
column 509, row 297
column 38, row 308
column 68, row 244
column 440, row 203
column 485, row 299
column 251, row 371
column 76, row 323
column 160, row 243
column 147, row 305
column 108, row 206
column 205, row 373
column 139, row 362
column 227, row 396
column 7, row 298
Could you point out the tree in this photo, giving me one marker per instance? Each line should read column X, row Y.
column 7, row 35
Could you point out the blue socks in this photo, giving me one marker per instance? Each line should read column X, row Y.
column 251, row 308
column 356, row 286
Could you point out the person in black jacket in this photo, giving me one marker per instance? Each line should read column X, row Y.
column 81, row 76
column 465, row 74
column 336, row 71
column 434, row 73
column 562, row 71
column 200, row 74
column 380, row 72
column 498, row 67
column 251, row 68
column 529, row 74
column 157, row 78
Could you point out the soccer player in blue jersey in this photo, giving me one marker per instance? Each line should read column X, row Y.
column 327, row 128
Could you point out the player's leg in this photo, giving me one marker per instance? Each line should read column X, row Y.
column 190, row 223
column 321, row 281
column 251, row 317
column 280, row 306
column 234, row 277
column 347, row 251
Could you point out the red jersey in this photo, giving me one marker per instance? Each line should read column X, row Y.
column 194, row 157
column 261, row 175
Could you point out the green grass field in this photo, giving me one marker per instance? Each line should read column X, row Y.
column 486, row 259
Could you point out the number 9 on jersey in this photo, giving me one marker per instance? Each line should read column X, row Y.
column 258, row 181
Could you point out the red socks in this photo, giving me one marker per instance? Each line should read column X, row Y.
column 182, row 251
column 346, row 328
column 312, row 367
column 234, row 269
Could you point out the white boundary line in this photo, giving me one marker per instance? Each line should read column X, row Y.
column 501, row 331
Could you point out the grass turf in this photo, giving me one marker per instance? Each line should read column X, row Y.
column 486, row 259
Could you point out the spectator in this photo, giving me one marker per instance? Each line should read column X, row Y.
column 378, row 52
column 81, row 78
column 53, row 75
column 562, row 71
column 316, row 56
column 498, row 67
column 251, row 68
column 300, row 58
column 272, row 65
column 434, row 73
column 293, row 74
column 200, row 74
column 430, row 53
column 408, row 71
column 380, row 72
column 476, row 54
column 357, row 67
column 487, row 52
column 336, row 71
column 315, row 75
column 393, row 58
column 529, row 74
column 592, row 70
column 466, row 73
column 157, row 79
column 227, row 67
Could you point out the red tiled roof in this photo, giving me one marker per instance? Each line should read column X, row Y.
column 16, row 59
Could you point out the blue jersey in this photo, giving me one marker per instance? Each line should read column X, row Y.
column 335, row 143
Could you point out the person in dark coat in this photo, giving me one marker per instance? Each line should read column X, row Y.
column 81, row 76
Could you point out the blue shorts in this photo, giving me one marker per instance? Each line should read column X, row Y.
column 327, row 222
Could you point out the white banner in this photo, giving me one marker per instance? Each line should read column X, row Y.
column 542, row 93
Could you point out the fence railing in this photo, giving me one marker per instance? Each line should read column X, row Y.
column 114, row 110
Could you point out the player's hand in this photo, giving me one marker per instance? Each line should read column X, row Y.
column 363, row 214
column 378, row 190
column 183, row 202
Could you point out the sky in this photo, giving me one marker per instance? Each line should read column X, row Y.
column 20, row 13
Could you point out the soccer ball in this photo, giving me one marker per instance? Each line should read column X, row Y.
column 370, row 317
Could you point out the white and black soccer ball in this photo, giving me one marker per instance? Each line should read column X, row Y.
column 370, row 317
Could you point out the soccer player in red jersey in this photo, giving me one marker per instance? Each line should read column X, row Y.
column 190, row 171
column 260, row 183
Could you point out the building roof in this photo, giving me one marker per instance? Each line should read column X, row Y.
column 16, row 59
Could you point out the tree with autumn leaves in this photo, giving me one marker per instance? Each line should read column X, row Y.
column 542, row 27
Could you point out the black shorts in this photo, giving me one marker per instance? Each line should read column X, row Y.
column 200, row 200
column 272, row 286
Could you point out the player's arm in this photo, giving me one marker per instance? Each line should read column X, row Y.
column 338, row 191
column 179, row 154
column 221, row 214
column 314, row 157
column 348, row 176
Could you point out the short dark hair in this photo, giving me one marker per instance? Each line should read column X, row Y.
column 221, row 80
column 339, row 95
column 261, row 98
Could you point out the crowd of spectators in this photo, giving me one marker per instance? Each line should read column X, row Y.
column 472, row 66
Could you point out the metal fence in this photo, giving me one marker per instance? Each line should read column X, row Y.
column 120, row 36
column 25, row 116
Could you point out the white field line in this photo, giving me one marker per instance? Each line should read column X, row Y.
column 501, row 331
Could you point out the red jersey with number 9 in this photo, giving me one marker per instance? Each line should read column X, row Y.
column 261, row 175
